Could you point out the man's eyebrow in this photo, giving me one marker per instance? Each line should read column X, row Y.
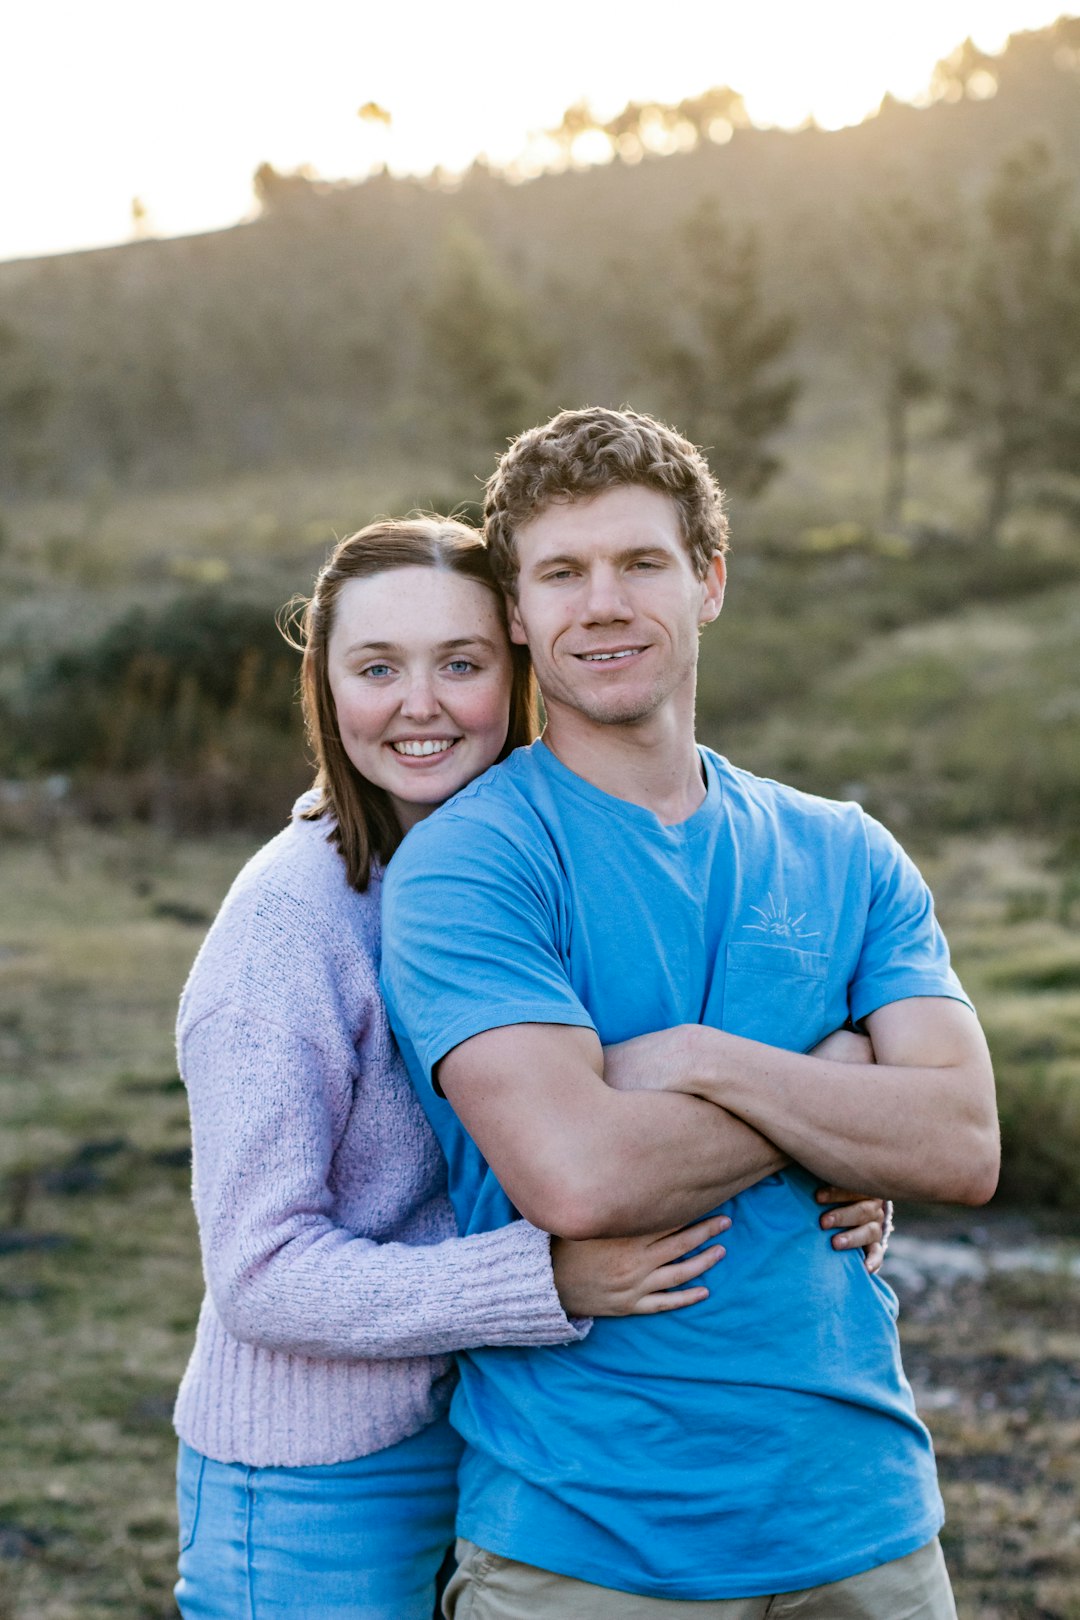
column 573, row 559
column 556, row 560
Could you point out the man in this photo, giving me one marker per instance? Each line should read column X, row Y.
column 617, row 882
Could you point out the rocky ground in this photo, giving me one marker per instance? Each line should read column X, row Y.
column 991, row 1332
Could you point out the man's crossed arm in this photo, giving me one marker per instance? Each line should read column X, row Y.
column 681, row 1120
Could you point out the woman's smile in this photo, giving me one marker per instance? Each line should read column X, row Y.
column 419, row 667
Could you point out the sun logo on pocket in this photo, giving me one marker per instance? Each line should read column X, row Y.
column 776, row 922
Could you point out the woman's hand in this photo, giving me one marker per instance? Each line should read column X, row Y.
column 635, row 1276
column 860, row 1222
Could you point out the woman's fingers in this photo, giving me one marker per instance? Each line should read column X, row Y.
column 666, row 1291
column 654, row 1304
column 681, row 1271
column 851, row 1215
column 859, row 1237
column 873, row 1256
column 670, row 1245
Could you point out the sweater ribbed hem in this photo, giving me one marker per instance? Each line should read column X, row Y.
column 245, row 1404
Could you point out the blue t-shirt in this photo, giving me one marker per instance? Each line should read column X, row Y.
column 765, row 1440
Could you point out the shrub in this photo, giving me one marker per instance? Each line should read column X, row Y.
column 186, row 714
column 1040, row 1136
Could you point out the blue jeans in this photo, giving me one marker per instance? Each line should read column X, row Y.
column 356, row 1540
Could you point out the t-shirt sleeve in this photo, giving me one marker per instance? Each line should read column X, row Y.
column 904, row 952
column 471, row 938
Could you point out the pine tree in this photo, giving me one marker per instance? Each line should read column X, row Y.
column 490, row 366
column 719, row 371
column 1015, row 383
column 900, row 256
column 26, row 400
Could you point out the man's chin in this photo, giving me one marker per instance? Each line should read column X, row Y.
column 626, row 711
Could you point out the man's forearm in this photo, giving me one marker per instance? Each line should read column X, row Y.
column 581, row 1159
column 665, row 1167
column 906, row 1129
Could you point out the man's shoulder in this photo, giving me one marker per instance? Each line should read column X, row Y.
column 494, row 813
column 765, row 795
column 503, row 795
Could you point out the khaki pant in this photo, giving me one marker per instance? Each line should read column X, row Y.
column 487, row 1587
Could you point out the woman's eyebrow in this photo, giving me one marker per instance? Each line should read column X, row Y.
column 442, row 646
column 370, row 646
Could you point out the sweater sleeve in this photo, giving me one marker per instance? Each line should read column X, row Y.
column 281, row 1272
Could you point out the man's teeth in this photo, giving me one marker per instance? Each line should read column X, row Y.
column 429, row 746
column 603, row 658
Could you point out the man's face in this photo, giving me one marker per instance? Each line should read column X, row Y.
column 610, row 606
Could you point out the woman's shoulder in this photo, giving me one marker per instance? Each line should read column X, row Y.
column 290, row 922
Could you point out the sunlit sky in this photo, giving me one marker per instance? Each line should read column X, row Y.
column 178, row 104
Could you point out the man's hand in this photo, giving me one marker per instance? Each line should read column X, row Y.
column 845, row 1046
column 663, row 1061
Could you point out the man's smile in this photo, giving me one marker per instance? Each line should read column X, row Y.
column 609, row 656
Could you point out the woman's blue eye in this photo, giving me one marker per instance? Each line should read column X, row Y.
column 376, row 671
column 461, row 666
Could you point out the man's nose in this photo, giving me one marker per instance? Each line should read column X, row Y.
column 605, row 597
column 420, row 701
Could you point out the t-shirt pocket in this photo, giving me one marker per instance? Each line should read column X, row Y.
column 775, row 994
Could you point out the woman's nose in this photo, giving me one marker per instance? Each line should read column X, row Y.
column 420, row 701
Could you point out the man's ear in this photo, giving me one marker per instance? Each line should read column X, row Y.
column 513, row 620
column 713, row 586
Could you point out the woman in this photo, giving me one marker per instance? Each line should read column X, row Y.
column 316, row 1474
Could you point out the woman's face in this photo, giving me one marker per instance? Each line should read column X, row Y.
column 419, row 667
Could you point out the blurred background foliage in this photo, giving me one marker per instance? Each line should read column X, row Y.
column 875, row 332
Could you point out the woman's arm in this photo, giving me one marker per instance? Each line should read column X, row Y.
column 284, row 1274
column 281, row 1271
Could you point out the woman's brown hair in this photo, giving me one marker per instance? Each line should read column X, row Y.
column 365, row 827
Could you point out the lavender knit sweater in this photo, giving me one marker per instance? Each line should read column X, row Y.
column 336, row 1284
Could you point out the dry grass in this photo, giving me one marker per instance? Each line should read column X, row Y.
column 99, row 1316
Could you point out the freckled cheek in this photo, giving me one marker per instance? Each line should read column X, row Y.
column 486, row 714
column 364, row 721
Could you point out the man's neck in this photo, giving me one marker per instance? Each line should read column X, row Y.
column 654, row 763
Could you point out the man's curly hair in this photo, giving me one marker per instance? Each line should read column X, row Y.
column 582, row 453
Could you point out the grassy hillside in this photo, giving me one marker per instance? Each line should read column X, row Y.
column 968, row 720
